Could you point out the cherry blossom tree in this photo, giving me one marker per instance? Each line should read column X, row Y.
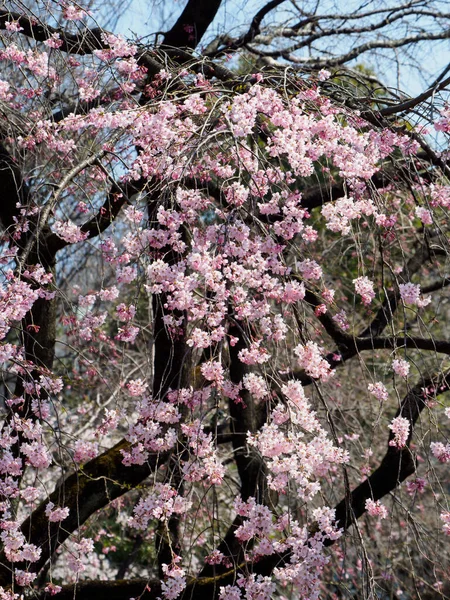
column 223, row 308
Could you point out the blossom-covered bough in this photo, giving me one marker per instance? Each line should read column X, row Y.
column 222, row 318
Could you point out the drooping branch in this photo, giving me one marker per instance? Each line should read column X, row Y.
column 314, row 28
column 318, row 195
column 38, row 327
column 407, row 105
column 247, row 416
column 335, row 19
column 366, row 341
column 415, row 343
column 397, row 464
column 85, row 492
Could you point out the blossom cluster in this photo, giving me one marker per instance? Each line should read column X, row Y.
column 440, row 451
column 376, row 509
column 410, row 294
column 401, row 367
column 292, row 460
column 400, row 427
column 310, row 358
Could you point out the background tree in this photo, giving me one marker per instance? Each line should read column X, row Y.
column 223, row 306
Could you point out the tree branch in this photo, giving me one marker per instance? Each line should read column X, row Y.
column 192, row 24
column 145, row 589
column 118, row 196
column 84, row 43
column 14, row 189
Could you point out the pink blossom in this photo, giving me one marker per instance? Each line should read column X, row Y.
column 323, row 75
column 445, row 518
column 230, row 592
column 410, row 294
column 309, row 358
column 4, row 90
column 440, row 451
column 443, row 124
column 133, row 215
column 69, row 232
column 73, row 12
column 84, row 451
column 293, row 291
column 52, row 589
column 376, row 509
column 205, row 462
column 55, row 515
column 16, row 299
column 199, row 338
column 78, row 554
column 161, row 504
column 341, row 319
column 127, row 334
column 30, row 552
column 212, row 371
column 328, row 295
column 137, row 387
column 118, row 47
column 254, row 354
column 109, row 294
column 125, row 313
column 401, row 367
column 258, row 520
column 256, row 385
column 30, row 494
column 13, row 26
column 37, row 455
column 257, row 587
column 174, row 583
column 424, row 215
column 51, row 385
column 418, row 485
column 109, row 422
column 310, row 269
column 236, row 194
column 86, row 301
column 126, row 274
column 321, row 309
column 400, row 428
column 378, row 390
column 54, row 41
column 24, row 578
column 215, row 558
column 364, row 287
